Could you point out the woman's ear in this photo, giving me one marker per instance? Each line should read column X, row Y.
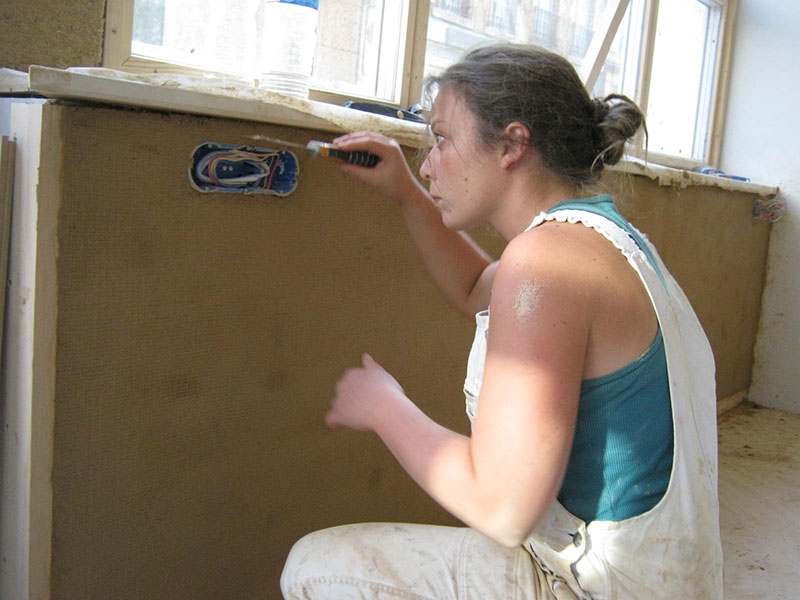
column 517, row 143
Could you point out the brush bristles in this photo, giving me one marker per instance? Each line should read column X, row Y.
column 315, row 148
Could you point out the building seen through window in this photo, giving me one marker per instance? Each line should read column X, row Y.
column 566, row 26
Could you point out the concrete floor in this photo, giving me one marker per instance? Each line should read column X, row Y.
column 759, row 491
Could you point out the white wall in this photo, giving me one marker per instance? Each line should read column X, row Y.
column 762, row 141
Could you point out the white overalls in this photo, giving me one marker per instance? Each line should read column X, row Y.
column 673, row 550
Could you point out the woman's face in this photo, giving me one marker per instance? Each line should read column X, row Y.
column 461, row 171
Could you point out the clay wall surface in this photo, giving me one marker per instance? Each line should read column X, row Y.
column 53, row 34
column 199, row 337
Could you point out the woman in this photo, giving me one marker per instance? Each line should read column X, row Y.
column 590, row 471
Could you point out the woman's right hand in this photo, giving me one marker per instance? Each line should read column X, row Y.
column 391, row 176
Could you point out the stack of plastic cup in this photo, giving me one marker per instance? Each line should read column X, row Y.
column 288, row 43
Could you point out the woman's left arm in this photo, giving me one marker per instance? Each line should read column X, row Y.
column 503, row 478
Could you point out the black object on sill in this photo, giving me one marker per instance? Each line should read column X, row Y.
column 412, row 114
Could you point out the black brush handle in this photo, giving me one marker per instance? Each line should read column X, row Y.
column 356, row 157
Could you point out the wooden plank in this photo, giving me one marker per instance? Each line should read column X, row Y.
column 419, row 14
column 7, row 152
column 731, row 402
column 28, row 377
column 119, row 33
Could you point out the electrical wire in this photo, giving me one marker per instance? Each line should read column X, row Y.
column 238, row 168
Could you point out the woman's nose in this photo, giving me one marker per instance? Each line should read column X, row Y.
column 425, row 168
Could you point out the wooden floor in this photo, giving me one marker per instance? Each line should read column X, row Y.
column 759, row 491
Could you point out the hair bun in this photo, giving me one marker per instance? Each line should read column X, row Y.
column 618, row 118
column 601, row 109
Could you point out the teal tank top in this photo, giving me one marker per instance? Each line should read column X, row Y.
column 621, row 457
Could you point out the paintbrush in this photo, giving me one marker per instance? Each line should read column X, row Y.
column 324, row 150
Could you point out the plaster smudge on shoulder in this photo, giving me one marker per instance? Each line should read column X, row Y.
column 526, row 298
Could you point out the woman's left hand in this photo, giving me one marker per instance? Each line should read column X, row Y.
column 360, row 395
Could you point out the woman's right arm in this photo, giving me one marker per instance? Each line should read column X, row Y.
column 458, row 266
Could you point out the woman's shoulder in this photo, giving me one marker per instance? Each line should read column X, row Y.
column 570, row 263
column 551, row 261
column 555, row 245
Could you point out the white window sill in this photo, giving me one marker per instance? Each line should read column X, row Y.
column 212, row 97
column 233, row 99
column 681, row 178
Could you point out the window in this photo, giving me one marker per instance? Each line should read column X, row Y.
column 664, row 54
column 682, row 76
column 361, row 50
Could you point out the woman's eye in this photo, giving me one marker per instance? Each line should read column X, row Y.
column 434, row 138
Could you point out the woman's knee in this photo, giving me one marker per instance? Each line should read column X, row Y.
column 302, row 563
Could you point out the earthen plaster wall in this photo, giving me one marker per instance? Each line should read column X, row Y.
column 53, row 34
column 199, row 337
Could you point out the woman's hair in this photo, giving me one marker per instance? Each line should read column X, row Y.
column 576, row 135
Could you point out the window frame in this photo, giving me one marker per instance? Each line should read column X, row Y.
column 119, row 30
column 719, row 83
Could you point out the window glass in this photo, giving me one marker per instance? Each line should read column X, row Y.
column 682, row 77
column 359, row 47
column 620, row 71
column 358, row 42
column 201, row 34
column 457, row 25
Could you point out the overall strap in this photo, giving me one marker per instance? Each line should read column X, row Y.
column 604, row 207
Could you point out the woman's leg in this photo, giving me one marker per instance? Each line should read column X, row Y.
column 393, row 561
